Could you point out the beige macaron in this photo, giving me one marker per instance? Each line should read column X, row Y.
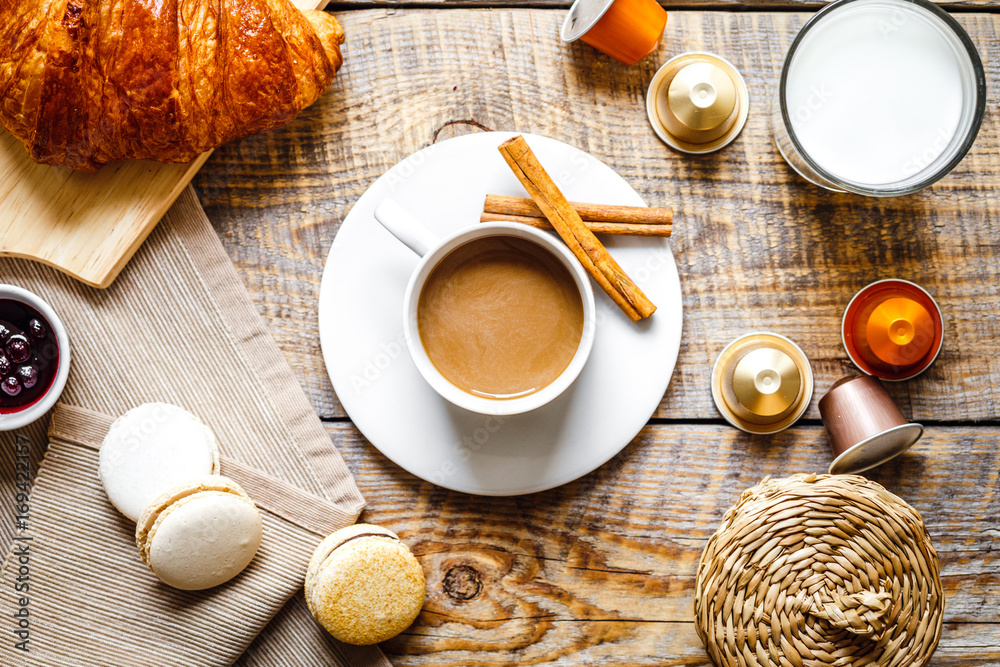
column 199, row 534
column 363, row 585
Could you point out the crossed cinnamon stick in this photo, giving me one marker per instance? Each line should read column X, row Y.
column 598, row 218
column 567, row 222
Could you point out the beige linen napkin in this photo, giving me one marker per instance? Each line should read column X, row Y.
column 177, row 326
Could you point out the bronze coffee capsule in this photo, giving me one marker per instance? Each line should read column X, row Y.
column 865, row 427
column 762, row 383
column 697, row 102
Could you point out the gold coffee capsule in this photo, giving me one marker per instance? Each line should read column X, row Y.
column 697, row 102
column 762, row 383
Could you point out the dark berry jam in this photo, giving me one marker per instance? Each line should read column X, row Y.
column 29, row 355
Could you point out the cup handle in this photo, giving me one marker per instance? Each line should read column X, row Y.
column 410, row 231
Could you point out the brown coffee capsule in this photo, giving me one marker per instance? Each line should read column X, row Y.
column 865, row 427
column 762, row 383
column 697, row 102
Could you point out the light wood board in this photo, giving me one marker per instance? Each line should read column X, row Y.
column 87, row 225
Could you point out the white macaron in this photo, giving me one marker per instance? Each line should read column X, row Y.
column 199, row 534
column 150, row 449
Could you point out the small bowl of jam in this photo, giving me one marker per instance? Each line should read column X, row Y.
column 34, row 357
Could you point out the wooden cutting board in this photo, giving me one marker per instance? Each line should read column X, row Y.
column 87, row 225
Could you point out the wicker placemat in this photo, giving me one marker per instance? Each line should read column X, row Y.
column 819, row 571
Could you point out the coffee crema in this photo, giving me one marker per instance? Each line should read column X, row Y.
column 500, row 317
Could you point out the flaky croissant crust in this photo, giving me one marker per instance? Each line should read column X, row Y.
column 87, row 82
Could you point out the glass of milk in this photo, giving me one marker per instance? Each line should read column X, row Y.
column 879, row 97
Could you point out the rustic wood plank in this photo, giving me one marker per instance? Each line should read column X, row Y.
column 756, row 246
column 601, row 571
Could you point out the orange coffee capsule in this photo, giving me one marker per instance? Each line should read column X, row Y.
column 893, row 329
column 626, row 30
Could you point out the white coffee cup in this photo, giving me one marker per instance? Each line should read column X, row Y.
column 33, row 412
column 432, row 250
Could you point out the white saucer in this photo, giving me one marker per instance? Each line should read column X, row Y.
column 361, row 331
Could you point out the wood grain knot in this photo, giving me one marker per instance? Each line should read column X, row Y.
column 457, row 128
column 462, row 583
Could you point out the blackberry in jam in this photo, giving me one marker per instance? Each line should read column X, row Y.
column 28, row 375
column 29, row 355
column 18, row 349
column 11, row 386
column 36, row 328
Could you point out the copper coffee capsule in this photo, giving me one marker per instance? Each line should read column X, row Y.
column 762, row 383
column 697, row 102
column 865, row 427
column 893, row 329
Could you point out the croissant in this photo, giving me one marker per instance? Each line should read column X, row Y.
column 88, row 82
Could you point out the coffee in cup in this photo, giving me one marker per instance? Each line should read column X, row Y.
column 498, row 317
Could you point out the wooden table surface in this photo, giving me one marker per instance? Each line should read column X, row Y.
column 601, row 571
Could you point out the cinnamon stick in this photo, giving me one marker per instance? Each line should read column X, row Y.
column 630, row 215
column 598, row 227
column 581, row 241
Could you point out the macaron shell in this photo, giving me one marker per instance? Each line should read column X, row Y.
column 334, row 540
column 204, row 540
column 150, row 449
column 152, row 512
column 367, row 591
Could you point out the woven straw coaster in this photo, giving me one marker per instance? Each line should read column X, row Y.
column 819, row 571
